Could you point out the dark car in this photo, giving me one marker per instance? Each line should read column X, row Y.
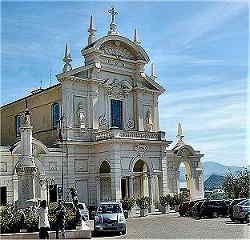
column 241, row 211
column 196, row 209
column 213, row 208
column 183, row 208
column 232, row 204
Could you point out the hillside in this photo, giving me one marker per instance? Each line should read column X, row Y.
column 212, row 168
column 213, row 182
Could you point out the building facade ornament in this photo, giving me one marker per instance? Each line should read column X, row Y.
column 130, row 123
column 117, row 88
column 103, row 122
column 148, row 121
column 82, row 116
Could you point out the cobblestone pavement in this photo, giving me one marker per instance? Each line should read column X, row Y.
column 172, row 226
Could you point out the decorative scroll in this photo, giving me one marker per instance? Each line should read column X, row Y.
column 103, row 122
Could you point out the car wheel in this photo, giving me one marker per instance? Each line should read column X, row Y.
column 124, row 231
column 215, row 214
column 232, row 219
column 248, row 218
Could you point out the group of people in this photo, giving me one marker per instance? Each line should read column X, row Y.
column 44, row 225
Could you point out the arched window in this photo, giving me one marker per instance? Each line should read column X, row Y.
column 55, row 115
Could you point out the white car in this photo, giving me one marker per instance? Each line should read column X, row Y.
column 110, row 218
column 83, row 209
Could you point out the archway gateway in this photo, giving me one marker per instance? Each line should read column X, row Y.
column 105, row 181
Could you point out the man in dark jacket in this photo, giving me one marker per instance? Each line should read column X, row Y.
column 60, row 220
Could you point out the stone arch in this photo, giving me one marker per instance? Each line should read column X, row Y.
column 141, row 173
column 191, row 159
column 147, row 162
column 104, row 172
column 104, row 167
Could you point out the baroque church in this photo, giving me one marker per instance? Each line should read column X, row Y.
column 97, row 130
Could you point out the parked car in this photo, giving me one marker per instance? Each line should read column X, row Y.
column 196, row 209
column 110, row 217
column 213, row 208
column 83, row 209
column 241, row 211
column 232, row 204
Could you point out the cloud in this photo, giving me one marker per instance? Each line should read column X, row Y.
column 196, row 26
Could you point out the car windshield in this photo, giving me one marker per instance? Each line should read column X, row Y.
column 81, row 206
column 245, row 203
column 109, row 208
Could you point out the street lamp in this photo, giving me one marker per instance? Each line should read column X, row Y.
column 47, row 181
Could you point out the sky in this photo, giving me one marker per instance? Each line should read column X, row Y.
column 200, row 49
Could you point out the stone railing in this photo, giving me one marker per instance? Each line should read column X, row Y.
column 117, row 133
column 95, row 135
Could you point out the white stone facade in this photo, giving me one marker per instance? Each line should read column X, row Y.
column 102, row 161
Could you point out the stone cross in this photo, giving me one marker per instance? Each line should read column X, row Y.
column 112, row 13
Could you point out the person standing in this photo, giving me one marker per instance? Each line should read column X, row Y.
column 60, row 220
column 43, row 220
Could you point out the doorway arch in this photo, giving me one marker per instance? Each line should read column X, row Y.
column 141, row 172
column 105, row 181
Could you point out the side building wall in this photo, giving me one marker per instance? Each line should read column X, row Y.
column 40, row 104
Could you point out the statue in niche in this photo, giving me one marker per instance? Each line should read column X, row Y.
column 148, row 121
column 81, row 116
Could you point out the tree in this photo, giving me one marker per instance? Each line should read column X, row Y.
column 236, row 185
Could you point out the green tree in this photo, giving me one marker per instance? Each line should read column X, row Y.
column 236, row 185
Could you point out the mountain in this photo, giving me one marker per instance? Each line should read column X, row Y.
column 213, row 182
column 212, row 168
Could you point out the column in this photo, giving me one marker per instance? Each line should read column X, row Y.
column 131, row 186
column 115, row 173
column 151, row 185
column 98, row 197
column 126, row 187
column 15, row 188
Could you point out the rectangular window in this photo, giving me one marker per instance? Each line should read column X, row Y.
column 18, row 124
column 116, row 113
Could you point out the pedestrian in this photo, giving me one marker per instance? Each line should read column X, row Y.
column 43, row 220
column 60, row 219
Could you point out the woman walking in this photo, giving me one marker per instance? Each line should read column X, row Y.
column 43, row 220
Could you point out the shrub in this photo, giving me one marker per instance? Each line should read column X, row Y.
column 143, row 202
column 128, row 203
column 165, row 200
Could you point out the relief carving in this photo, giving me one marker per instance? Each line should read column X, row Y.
column 117, row 88
column 114, row 48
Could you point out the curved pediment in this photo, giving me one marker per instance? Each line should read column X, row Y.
column 120, row 47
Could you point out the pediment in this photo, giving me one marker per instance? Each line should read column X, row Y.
column 119, row 49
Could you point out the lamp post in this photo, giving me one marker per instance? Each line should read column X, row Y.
column 47, row 181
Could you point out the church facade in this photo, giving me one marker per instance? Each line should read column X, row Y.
column 97, row 130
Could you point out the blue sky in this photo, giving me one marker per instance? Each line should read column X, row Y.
column 200, row 50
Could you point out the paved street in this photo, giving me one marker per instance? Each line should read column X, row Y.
column 173, row 226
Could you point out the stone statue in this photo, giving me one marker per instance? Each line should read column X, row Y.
column 148, row 121
column 81, row 116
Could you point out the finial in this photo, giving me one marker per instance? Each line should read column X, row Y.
column 136, row 37
column 91, row 31
column 113, row 26
column 67, row 59
column 179, row 135
column 153, row 71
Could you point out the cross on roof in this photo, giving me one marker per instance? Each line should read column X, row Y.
column 112, row 12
